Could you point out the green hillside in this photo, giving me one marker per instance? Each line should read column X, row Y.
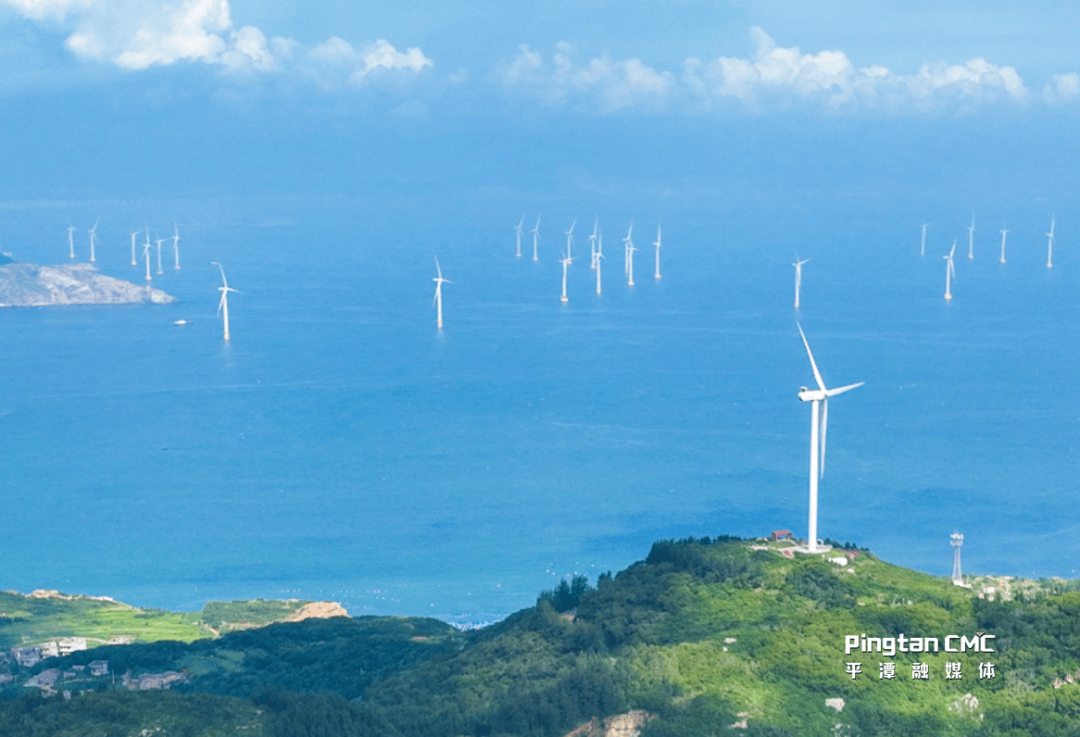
column 707, row 636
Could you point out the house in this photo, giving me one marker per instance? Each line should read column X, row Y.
column 26, row 656
column 68, row 645
column 99, row 668
column 49, row 649
column 780, row 535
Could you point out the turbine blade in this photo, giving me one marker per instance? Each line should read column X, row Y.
column 842, row 389
column 813, row 364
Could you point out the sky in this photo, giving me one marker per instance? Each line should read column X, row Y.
column 106, row 98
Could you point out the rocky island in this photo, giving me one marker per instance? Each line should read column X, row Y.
column 28, row 285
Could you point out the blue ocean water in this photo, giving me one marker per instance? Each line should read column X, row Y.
column 341, row 447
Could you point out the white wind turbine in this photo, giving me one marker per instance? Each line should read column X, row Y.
column 592, row 243
column 176, row 246
column 1004, row 232
column 536, row 236
column 630, row 262
column 134, row 261
column 146, row 255
column 627, row 242
column 439, row 281
column 223, row 305
column 71, row 240
column 1050, row 245
column 819, row 398
column 159, row 271
column 950, row 271
column 93, row 238
column 798, row 276
column 566, row 261
column 657, row 244
column 599, row 257
column 971, row 238
column 570, row 239
column 518, row 229
column 922, row 246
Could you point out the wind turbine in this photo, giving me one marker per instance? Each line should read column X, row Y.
column 971, row 238
column 71, row 240
column 657, row 244
column 159, row 271
column 570, row 238
column 598, row 258
column 134, row 261
column 536, row 235
column 176, row 246
column 1050, row 246
column 223, row 305
column 518, row 229
column 922, row 246
column 798, row 276
column 819, row 399
column 1003, row 234
column 146, row 255
column 627, row 242
column 630, row 262
column 93, row 238
column 566, row 261
column 950, row 271
column 592, row 243
column 439, row 281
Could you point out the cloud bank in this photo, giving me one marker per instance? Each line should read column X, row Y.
column 137, row 34
column 771, row 77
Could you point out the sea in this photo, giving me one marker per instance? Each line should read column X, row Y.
column 341, row 447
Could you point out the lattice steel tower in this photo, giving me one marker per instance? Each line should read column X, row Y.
column 956, row 540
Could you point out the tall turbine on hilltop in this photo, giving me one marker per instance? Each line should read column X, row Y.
column 176, row 246
column 950, row 271
column 223, row 305
column 570, row 238
column 536, row 236
column 566, row 261
column 71, row 240
column 971, row 238
column 819, row 425
column 657, row 244
column 922, row 245
column 437, row 302
column 599, row 258
column 798, row 276
column 956, row 540
column 1004, row 233
column 93, row 238
column 1050, row 245
column 518, row 229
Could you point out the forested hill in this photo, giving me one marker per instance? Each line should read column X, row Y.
column 704, row 637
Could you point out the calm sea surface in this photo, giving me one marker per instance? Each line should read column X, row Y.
column 341, row 447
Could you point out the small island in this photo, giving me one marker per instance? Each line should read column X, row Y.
column 28, row 285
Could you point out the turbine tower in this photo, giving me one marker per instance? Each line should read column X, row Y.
column 437, row 302
column 922, row 246
column 950, row 271
column 592, row 243
column 566, row 261
column 159, row 271
column 93, row 238
column 146, row 255
column 223, row 305
column 630, row 262
column 570, row 238
column 627, row 242
column 1004, row 232
column 71, row 240
column 956, row 540
column 819, row 422
column 536, row 235
column 657, row 244
column 176, row 247
column 1050, row 246
column 518, row 229
column 599, row 258
column 798, row 276
column 134, row 261
column 971, row 238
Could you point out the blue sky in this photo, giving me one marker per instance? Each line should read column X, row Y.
column 405, row 91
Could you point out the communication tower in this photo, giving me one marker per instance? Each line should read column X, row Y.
column 956, row 540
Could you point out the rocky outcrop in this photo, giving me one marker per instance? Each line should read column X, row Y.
column 27, row 285
column 318, row 610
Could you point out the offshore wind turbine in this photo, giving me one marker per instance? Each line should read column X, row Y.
column 71, row 240
column 223, row 305
column 627, row 244
column 566, row 261
column 599, row 257
column 1003, row 234
column 176, row 246
column 1050, row 246
column 93, row 238
column 592, row 243
column 536, row 235
column 922, row 246
column 950, row 271
column 630, row 263
column 437, row 301
column 657, row 244
column 798, row 276
column 159, row 271
column 134, row 261
column 819, row 425
column 146, row 255
column 570, row 238
column 971, row 238
column 518, row 229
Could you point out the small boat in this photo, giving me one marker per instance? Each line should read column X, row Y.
column 180, row 322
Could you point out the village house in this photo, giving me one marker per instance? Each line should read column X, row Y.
column 99, row 668
column 68, row 645
column 26, row 656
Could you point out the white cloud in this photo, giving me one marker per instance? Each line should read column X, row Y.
column 335, row 61
column 137, row 34
column 771, row 76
